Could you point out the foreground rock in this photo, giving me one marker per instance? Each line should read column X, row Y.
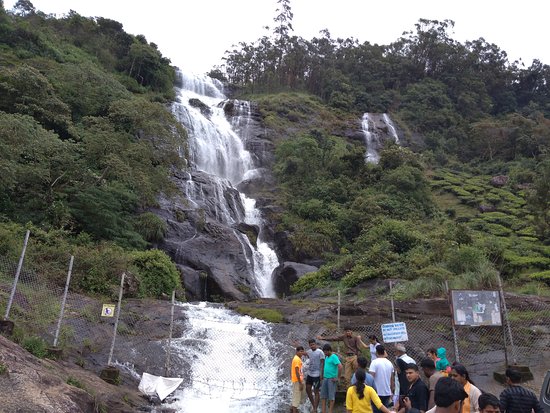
column 29, row 384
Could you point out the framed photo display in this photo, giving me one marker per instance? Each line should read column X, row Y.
column 476, row 308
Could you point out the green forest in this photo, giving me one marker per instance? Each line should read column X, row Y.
column 88, row 142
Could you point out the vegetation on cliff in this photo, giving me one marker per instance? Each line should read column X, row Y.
column 86, row 142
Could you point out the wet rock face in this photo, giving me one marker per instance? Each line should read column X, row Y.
column 213, row 260
column 203, row 107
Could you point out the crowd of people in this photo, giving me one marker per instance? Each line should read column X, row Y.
column 380, row 385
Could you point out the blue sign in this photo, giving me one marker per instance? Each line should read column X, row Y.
column 394, row 332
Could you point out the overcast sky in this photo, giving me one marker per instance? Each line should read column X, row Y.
column 194, row 34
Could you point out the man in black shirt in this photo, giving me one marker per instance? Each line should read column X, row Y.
column 417, row 395
column 517, row 399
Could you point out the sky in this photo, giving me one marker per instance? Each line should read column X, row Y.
column 194, row 34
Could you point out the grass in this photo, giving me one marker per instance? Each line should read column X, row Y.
column 266, row 314
column 3, row 369
column 75, row 382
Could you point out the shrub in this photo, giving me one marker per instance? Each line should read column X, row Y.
column 151, row 227
column 36, row 346
column 157, row 273
column 312, row 280
column 466, row 258
column 543, row 276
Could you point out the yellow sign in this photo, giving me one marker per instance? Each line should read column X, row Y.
column 108, row 310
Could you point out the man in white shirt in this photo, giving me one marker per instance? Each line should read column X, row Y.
column 402, row 361
column 382, row 371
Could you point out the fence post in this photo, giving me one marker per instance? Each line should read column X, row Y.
column 16, row 279
column 338, row 321
column 168, row 350
column 117, row 317
column 63, row 301
column 392, row 303
column 503, row 301
column 455, row 340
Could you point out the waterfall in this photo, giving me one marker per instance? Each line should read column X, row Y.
column 235, row 364
column 377, row 128
column 230, row 363
column 217, row 148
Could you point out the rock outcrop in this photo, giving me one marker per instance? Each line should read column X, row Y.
column 287, row 274
column 29, row 384
column 213, row 256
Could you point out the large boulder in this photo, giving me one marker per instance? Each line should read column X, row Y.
column 200, row 105
column 287, row 274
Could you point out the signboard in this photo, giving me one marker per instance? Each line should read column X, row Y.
column 394, row 332
column 476, row 308
column 108, row 310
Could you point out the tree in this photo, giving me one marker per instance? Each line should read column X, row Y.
column 539, row 201
column 24, row 8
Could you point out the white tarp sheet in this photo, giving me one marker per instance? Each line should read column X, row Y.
column 161, row 386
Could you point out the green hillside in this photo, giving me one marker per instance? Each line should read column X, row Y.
column 87, row 142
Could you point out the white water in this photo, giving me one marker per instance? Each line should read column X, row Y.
column 234, row 367
column 372, row 126
column 372, row 153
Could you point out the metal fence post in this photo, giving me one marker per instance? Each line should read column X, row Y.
column 63, row 301
column 455, row 340
column 16, row 279
column 338, row 321
column 392, row 303
column 116, row 319
column 506, row 320
column 169, row 344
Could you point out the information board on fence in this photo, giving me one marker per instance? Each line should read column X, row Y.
column 476, row 308
column 394, row 332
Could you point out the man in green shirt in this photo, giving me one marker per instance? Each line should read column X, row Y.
column 352, row 345
column 331, row 372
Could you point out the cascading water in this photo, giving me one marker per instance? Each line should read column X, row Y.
column 372, row 153
column 377, row 127
column 233, row 364
column 230, row 363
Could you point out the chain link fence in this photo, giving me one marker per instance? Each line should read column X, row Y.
column 524, row 339
column 83, row 334
column 229, row 352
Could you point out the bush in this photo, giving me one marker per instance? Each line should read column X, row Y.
column 151, row 227
column 312, row 280
column 466, row 258
column 543, row 276
column 157, row 273
column 36, row 346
